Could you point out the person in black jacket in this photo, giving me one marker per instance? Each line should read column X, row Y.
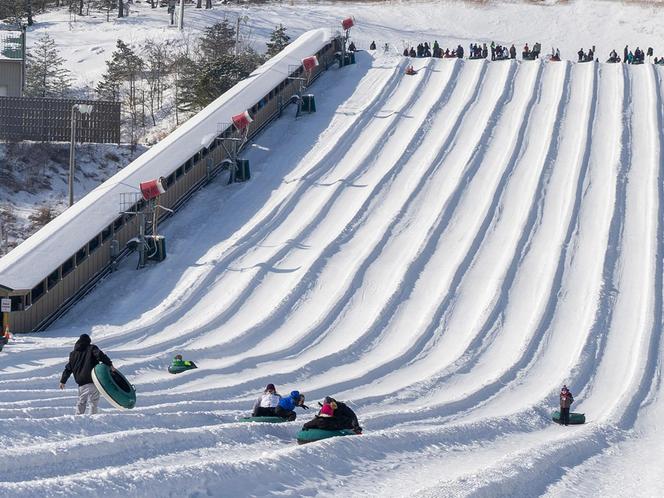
column 82, row 360
column 334, row 415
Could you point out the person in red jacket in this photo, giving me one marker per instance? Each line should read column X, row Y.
column 82, row 360
column 566, row 400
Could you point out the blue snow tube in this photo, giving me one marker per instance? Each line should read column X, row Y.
column 114, row 387
column 311, row 435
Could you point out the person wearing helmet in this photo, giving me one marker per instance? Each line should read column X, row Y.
column 267, row 403
column 286, row 407
column 566, row 400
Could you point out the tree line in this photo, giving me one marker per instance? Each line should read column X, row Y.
column 23, row 11
column 159, row 77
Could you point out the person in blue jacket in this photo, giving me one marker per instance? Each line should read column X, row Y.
column 286, row 407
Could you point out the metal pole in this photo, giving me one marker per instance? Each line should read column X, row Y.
column 72, row 151
column 237, row 35
column 181, row 18
column 23, row 48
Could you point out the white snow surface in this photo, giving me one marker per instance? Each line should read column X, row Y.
column 443, row 251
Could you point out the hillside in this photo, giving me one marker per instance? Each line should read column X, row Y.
column 442, row 251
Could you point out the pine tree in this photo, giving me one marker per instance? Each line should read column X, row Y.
column 45, row 74
column 217, row 41
column 278, row 41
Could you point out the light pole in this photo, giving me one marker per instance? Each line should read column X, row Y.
column 83, row 109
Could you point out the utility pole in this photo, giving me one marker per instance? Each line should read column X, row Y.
column 83, row 109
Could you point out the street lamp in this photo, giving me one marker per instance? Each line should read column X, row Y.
column 82, row 109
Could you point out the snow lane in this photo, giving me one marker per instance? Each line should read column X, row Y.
column 620, row 370
column 457, row 246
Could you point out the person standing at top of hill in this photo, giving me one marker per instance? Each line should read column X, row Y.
column 566, row 400
column 625, row 51
column 82, row 360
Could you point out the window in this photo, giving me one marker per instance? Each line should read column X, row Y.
column 53, row 279
column 190, row 164
column 179, row 172
column 37, row 291
column 106, row 233
column 170, row 180
column 93, row 244
column 197, row 157
column 81, row 255
column 118, row 223
column 17, row 303
column 67, row 266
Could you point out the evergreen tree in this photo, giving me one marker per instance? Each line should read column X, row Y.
column 217, row 41
column 278, row 41
column 45, row 74
column 213, row 78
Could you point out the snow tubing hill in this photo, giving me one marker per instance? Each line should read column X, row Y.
column 181, row 368
column 114, row 387
column 312, row 435
column 574, row 418
column 268, row 420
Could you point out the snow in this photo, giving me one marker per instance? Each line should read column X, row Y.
column 441, row 250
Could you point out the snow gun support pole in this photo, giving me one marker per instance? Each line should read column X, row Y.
column 302, row 84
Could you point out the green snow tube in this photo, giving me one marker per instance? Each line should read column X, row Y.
column 574, row 418
column 114, row 387
column 311, row 435
column 268, row 420
column 183, row 367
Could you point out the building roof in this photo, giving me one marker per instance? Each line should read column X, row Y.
column 33, row 260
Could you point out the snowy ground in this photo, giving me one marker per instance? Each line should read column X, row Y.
column 443, row 251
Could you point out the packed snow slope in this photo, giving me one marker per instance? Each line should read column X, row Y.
column 443, row 251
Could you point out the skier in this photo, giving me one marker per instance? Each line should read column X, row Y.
column 267, row 403
column 566, row 400
column 285, row 408
column 334, row 415
column 82, row 360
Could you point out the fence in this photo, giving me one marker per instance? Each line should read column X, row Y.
column 49, row 120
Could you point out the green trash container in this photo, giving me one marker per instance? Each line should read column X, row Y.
column 308, row 103
column 242, row 173
column 157, row 251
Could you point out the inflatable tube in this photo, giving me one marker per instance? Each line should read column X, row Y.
column 114, row 387
column 268, row 420
column 574, row 418
column 181, row 368
column 311, row 435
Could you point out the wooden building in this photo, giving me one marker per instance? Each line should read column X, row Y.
column 59, row 264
